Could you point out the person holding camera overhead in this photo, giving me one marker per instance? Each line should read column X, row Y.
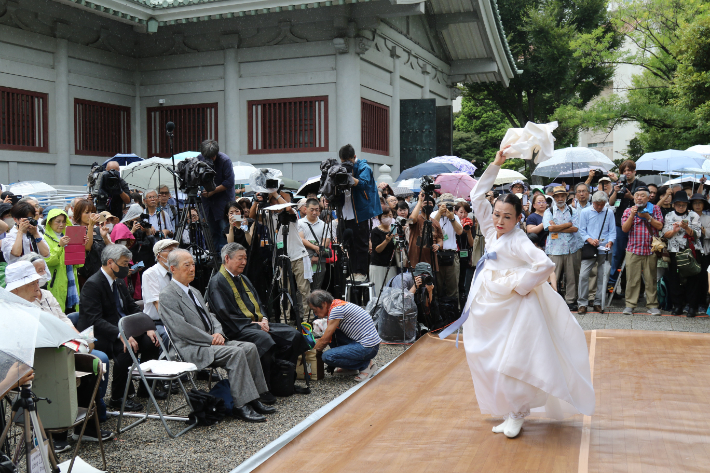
column 121, row 194
column 465, row 242
column 24, row 237
column 625, row 189
column 681, row 228
column 215, row 201
column 423, row 251
column 641, row 223
column 361, row 204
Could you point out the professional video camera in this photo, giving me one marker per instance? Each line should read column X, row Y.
column 265, row 181
column 398, row 227
column 103, row 185
column 426, row 184
column 193, row 173
column 335, row 177
column 285, row 217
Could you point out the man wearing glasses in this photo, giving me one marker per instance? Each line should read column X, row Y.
column 168, row 213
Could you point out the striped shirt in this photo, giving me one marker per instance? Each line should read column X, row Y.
column 355, row 322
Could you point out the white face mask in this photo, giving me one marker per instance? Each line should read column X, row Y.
column 70, row 212
column 43, row 279
column 10, row 222
column 109, row 226
column 122, row 243
column 386, row 221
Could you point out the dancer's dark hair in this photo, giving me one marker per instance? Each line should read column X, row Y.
column 513, row 200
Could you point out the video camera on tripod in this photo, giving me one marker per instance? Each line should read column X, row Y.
column 335, row 178
column 103, row 185
column 398, row 226
column 426, row 183
column 193, row 174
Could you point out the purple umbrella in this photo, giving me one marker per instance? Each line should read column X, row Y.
column 460, row 164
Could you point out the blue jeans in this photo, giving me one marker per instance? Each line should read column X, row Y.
column 218, row 229
column 622, row 239
column 348, row 354
column 100, row 404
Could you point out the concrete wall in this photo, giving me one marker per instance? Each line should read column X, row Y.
column 30, row 61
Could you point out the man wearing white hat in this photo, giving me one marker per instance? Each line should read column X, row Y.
column 22, row 280
column 155, row 279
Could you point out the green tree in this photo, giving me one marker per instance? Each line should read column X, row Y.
column 543, row 37
column 668, row 41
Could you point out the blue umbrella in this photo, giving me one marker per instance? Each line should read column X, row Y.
column 427, row 169
column 670, row 160
column 124, row 159
column 186, row 154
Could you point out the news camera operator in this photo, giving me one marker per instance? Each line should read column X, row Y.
column 361, row 204
column 215, row 201
column 119, row 192
column 625, row 188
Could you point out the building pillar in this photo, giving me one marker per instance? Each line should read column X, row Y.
column 136, row 131
column 394, row 109
column 427, row 81
column 232, row 125
column 62, row 112
column 348, row 120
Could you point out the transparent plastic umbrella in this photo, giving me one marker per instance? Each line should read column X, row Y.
column 242, row 172
column 568, row 160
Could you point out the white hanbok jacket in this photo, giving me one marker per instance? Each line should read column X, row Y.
column 524, row 348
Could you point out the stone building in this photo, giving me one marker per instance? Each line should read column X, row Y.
column 278, row 84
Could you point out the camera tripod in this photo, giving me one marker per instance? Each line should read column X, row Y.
column 202, row 255
column 342, row 265
column 282, row 267
column 32, row 426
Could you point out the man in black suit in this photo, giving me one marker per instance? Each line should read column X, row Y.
column 104, row 300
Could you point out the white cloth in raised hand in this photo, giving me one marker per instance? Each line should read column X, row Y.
column 165, row 367
column 534, row 137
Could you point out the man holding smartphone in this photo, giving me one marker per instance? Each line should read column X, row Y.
column 640, row 224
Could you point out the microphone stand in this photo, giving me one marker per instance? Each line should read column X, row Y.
column 175, row 186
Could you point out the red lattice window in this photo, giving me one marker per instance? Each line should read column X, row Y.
column 23, row 120
column 101, row 129
column 294, row 125
column 193, row 125
column 375, row 127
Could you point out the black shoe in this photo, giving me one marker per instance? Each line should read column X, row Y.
column 676, row 311
column 204, row 375
column 158, row 393
column 267, row 398
column 260, row 408
column 247, row 414
column 572, row 307
column 692, row 312
column 61, row 446
column 174, row 387
column 131, row 405
column 90, row 434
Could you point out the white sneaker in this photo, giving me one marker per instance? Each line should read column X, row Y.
column 512, row 429
column 499, row 429
column 628, row 311
column 654, row 311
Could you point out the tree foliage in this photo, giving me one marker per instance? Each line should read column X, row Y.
column 543, row 36
column 668, row 43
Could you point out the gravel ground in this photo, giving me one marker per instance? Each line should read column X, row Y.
column 222, row 447
column 219, row 448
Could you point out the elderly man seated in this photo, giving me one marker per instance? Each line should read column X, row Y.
column 23, row 281
column 351, row 334
column 199, row 338
column 236, row 304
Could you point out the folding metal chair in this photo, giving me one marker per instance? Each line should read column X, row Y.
column 166, row 354
column 88, row 364
column 133, row 326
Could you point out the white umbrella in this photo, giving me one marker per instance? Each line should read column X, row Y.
column 506, row 176
column 242, row 172
column 311, row 185
column 150, row 174
column 569, row 160
column 682, row 179
column 31, row 188
column 412, row 184
column 700, row 149
column 671, row 160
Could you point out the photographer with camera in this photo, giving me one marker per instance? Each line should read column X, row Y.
column 153, row 214
column 382, row 238
column 116, row 188
column 24, row 236
column 314, row 236
column 215, row 201
column 465, row 242
column 625, row 189
column 448, row 258
column 424, row 251
column 361, row 204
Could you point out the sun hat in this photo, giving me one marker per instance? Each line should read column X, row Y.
column 162, row 244
column 559, row 190
column 19, row 274
column 134, row 211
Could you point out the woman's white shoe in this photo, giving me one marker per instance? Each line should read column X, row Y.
column 499, row 429
column 512, row 428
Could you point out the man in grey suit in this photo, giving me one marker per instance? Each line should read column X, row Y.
column 198, row 337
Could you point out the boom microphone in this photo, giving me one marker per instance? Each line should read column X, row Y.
column 170, row 127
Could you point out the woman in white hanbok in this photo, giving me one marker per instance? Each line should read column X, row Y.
column 524, row 348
